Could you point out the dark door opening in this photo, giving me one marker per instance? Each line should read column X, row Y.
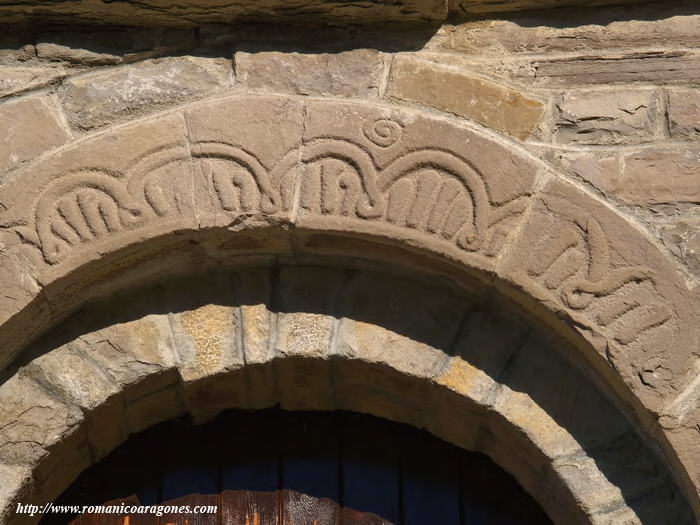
column 273, row 467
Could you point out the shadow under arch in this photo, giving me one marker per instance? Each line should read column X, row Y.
column 318, row 336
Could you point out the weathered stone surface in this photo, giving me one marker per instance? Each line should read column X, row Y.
column 641, row 177
column 680, row 421
column 397, row 368
column 233, row 133
column 348, row 74
column 30, row 126
column 486, row 102
column 657, row 67
column 96, row 47
column 59, row 53
column 16, row 48
column 193, row 12
column 307, row 296
column 598, row 277
column 591, row 489
column 15, row 80
column 607, row 117
column 400, row 325
column 79, row 380
column 583, row 262
column 412, row 188
column 490, row 6
column 206, row 333
column 32, row 422
column 130, row 151
column 614, row 27
column 99, row 98
column 682, row 237
column 74, row 377
column 16, row 482
column 684, row 113
column 486, row 344
column 254, row 294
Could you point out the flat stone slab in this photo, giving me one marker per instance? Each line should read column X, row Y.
column 192, row 12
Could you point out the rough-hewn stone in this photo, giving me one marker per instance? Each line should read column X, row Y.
column 30, row 126
column 484, row 101
column 192, row 12
column 15, row 80
column 41, row 432
column 99, row 98
column 93, row 46
column 607, row 117
column 348, row 74
column 489, row 6
column 16, row 481
column 657, row 67
column 642, row 177
column 553, row 32
column 684, row 113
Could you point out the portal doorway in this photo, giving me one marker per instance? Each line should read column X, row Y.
column 272, row 467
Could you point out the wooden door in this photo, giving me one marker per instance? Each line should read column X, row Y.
column 293, row 468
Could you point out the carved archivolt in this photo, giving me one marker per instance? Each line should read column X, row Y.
column 573, row 260
column 429, row 191
column 373, row 177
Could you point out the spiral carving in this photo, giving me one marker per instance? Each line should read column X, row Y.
column 383, row 132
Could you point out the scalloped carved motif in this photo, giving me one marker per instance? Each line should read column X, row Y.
column 427, row 191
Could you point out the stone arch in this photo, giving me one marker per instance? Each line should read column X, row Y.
column 321, row 338
column 254, row 176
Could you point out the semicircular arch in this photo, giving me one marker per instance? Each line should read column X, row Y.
column 233, row 176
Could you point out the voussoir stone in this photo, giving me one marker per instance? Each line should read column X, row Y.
column 32, row 423
column 99, row 98
column 584, row 262
column 348, row 74
column 684, row 113
column 484, row 101
column 30, row 126
column 16, row 481
column 606, row 117
column 642, row 177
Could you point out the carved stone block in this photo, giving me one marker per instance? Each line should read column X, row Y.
column 583, row 262
column 244, row 168
column 370, row 168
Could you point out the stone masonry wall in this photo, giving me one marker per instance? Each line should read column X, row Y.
column 610, row 97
